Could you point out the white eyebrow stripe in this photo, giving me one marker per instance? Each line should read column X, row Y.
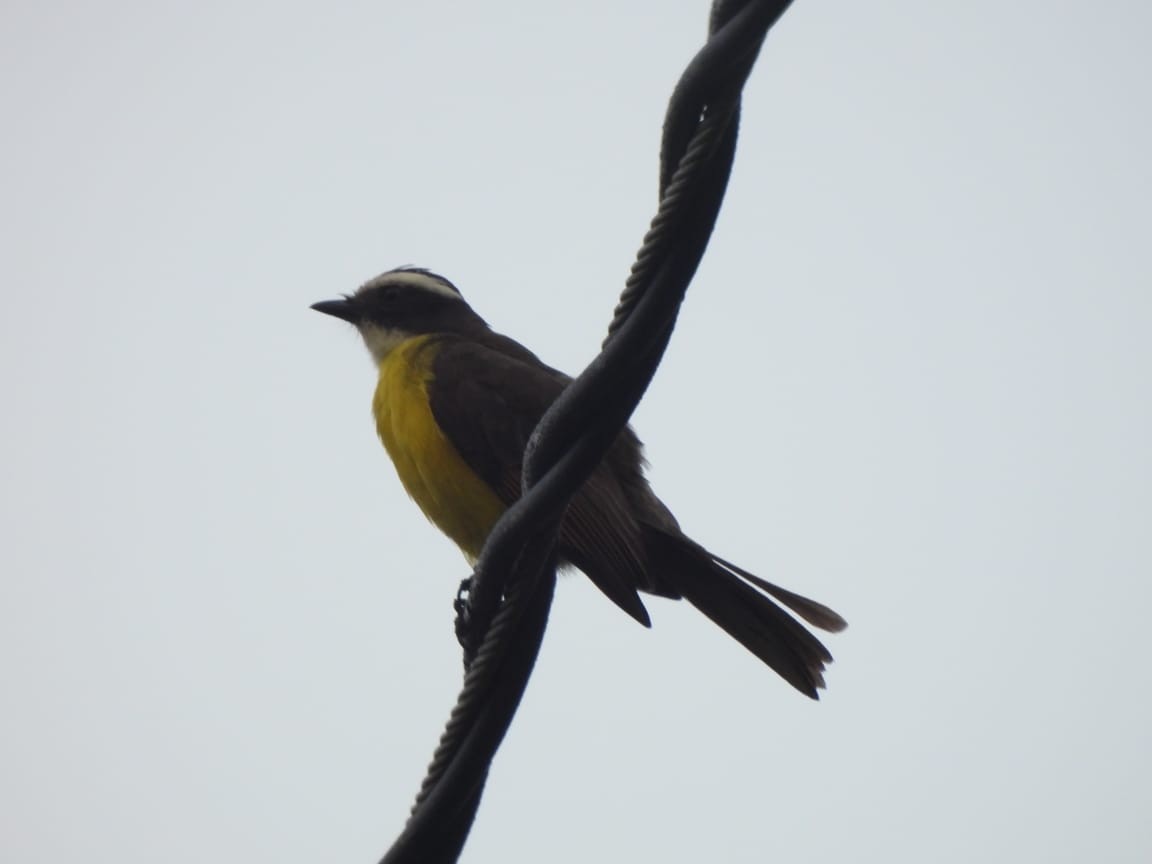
column 414, row 279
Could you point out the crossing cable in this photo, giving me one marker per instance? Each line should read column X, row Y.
column 503, row 609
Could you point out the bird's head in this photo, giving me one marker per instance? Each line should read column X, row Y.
column 400, row 304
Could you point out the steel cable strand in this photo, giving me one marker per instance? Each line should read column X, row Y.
column 450, row 749
column 551, row 487
column 615, row 380
column 446, row 806
column 479, row 674
column 716, row 74
column 707, row 94
column 550, row 493
column 491, row 660
column 660, row 234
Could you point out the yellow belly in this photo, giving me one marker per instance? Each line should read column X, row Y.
column 457, row 501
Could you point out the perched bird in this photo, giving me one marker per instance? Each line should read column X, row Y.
column 455, row 404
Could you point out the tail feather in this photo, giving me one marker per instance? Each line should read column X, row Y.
column 816, row 614
column 719, row 590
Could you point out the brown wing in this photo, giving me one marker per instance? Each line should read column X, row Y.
column 487, row 400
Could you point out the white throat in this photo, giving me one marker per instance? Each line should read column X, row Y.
column 381, row 341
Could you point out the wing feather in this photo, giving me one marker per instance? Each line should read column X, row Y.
column 487, row 398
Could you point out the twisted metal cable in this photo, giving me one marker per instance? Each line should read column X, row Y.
column 501, row 622
column 479, row 673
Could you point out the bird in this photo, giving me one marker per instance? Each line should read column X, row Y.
column 454, row 405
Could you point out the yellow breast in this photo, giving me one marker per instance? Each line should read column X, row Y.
column 457, row 501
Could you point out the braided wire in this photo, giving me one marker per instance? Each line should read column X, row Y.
column 656, row 239
column 476, row 678
column 479, row 672
column 501, row 625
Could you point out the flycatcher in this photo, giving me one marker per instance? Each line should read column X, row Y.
column 454, row 405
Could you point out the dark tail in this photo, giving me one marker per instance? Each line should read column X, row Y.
column 725, row 593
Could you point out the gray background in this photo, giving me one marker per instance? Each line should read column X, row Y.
column 919, row 349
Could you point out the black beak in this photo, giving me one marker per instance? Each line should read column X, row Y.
column 345, row 309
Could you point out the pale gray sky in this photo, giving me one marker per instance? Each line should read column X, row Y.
column 920, row 343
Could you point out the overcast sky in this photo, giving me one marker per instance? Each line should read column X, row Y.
column 912, row 380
